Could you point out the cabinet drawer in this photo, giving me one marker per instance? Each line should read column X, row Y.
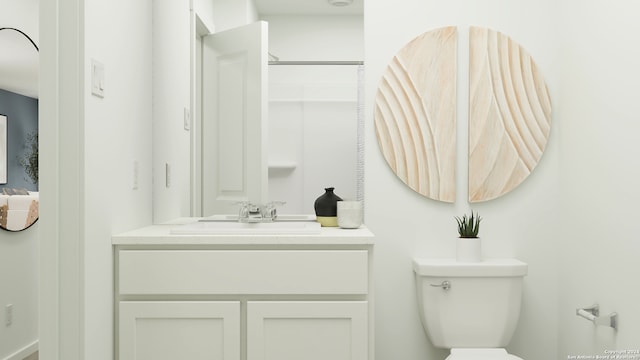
column 242, row 272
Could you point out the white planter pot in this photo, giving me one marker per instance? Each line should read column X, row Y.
column 468, row 250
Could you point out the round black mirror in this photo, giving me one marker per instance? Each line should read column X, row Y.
column 19, row 196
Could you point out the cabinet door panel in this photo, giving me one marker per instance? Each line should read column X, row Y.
column 159, row 330
column 310, row 330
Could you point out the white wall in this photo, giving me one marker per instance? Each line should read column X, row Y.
column 19, row 286
column 171, row 96
column 22, row 15
column 317, row 38
column 204, row 9
column 117, row 131
column 598, row 109
column 19, row 251
column 87, row 171
column 233, row 13
column 521, row 224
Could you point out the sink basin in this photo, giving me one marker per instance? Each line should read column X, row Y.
column 237, row 228
column 280, row 218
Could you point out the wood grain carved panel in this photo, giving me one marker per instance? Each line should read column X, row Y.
column 509, row 114
column 415, row 114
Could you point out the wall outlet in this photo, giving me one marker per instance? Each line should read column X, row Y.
column 8, row 314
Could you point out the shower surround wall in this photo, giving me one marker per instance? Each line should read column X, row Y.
column 313, row 108
column 313, row 118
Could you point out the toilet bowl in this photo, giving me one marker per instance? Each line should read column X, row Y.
column 470, row 308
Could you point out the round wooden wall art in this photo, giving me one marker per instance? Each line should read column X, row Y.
column 509, row 114
column 415, row 114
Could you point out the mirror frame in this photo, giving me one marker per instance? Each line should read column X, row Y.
column 37, row 50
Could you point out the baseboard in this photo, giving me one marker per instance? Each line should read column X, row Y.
column 24, row 352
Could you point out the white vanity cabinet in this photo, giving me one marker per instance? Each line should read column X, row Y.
column 244, row 297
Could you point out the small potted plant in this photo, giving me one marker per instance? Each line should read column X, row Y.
column 468, row 245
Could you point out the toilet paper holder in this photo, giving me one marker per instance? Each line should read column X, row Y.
column 592, row 314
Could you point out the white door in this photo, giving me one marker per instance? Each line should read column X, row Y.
column 170, row 330
column 310, row 330
column 234, row 111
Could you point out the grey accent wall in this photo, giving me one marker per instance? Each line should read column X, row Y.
column 22, row 119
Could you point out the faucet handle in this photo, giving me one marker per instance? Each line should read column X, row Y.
column 270, row 210
column 243, row 209
column 249, row 212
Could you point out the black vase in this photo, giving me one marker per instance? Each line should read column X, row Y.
column 326, row 207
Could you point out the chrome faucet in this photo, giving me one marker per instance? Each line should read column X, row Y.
column 269, row 212
column 252, row 213
column 249, row 212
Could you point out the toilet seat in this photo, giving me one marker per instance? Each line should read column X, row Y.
column 481, row 354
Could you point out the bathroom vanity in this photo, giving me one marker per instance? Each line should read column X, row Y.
column 243, row 297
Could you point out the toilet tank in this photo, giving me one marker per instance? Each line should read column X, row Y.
column 481, row 307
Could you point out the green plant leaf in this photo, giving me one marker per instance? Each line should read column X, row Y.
column 469, row 226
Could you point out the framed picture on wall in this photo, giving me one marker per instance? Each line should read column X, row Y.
column 3, row 149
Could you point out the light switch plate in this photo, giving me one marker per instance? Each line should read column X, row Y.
column 167, row 169
column 97, row 78
column 8, row 314
column 187, row 119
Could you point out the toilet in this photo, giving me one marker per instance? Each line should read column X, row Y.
column 471, row 308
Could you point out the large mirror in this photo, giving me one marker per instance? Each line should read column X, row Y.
column 18, row 130
column 313, row 124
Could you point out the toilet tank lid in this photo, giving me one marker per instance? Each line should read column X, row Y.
column 485, row 268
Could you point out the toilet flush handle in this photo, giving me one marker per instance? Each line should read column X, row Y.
column 445, row 285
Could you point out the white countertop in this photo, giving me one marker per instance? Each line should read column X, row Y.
column 161, row 235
